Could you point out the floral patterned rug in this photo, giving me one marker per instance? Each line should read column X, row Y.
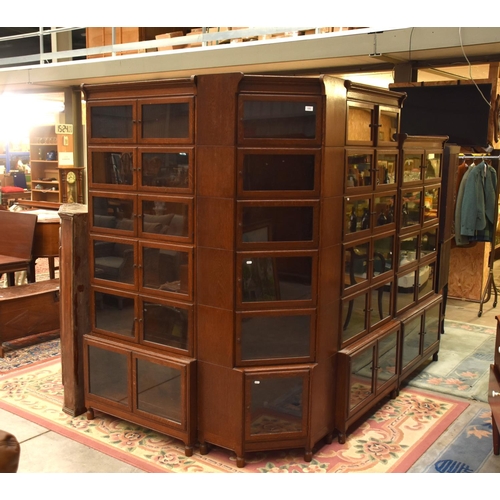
column 465, row 354
column 389, row 440
column 29, row 356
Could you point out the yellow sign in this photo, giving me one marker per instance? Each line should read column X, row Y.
column 64, row 128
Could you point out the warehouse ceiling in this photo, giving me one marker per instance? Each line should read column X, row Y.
column 341, row 53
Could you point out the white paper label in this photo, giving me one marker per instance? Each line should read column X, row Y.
column 65, row 158
column 309, row 108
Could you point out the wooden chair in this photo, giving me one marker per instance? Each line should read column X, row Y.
column 16, row 251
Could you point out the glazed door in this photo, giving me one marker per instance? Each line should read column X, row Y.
column 276, row 405
column 112, row 121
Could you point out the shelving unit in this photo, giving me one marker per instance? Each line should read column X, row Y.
column 45, row 179
column 222, row 273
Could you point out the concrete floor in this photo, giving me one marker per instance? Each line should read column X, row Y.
column 67, row 456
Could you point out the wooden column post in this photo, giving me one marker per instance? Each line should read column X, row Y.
column 74, row 286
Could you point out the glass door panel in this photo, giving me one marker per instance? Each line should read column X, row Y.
column 431, row 205
column 279, row 118
column 387, row 167
column 359, row 169
column 429, row 242
column 408, row 250
column 356, row 258
column 114, row 260
column 380, row 303
column 166, row 324
column 266, row 279
column 276, row 405
column 166, row 169
column 360, row 120
column 412, row 167
column 159, row 390
column 433, row 166
column 356, row 214
column 388, row 125
column 383, row 252
column 166, row 218
column 112, row 121
column 383, row 210
column 278, row 171
column 168, row 121
column 277, row 223
column 432, row 325
column 411, row 340
column 411, row 208
column 113, row 213
column 108, row 374
column 426, row 280
column 354, row 317
column 406, row 290
column 112, row 168
column 275, row 336
column 387, row 358
column 361, row 386
column 113, row 313
column 166, row 270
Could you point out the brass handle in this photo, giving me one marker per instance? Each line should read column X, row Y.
column 494, row 394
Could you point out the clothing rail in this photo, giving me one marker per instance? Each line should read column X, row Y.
column 478, row 157
column 490, row 282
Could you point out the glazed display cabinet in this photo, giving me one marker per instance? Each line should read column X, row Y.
column 246, row 247
column 139, row 357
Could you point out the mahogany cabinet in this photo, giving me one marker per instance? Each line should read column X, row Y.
column 244, row 237
column 139, row 357
column 420, row 334
column 369, row 371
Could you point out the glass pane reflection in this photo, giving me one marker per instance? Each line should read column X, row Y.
column 279, row 119
column 276, row 278
column 165, row 217
column 278, row 172
column 361, row 377
column 276, row 405
column 111, row 122
column 267, row 224
column 387, row 358
column 114, row 261
column 110, row 167
column 354, row 316
column 165, row 270
column 169, row 170
column 168, row 120
column 114, row 313
column 113, row 213
column 108, row 374
column 159, row 390
column 411, row 340
column 265, row 337
column 166, row 325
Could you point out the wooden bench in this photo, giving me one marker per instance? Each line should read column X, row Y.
column 29, row 314
column 16, row 252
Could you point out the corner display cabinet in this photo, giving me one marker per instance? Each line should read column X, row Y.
column 231, row 305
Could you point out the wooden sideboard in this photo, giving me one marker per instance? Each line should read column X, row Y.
column 494, row 393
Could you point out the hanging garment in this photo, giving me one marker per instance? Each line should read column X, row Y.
column 460, row 239
column 479, row 203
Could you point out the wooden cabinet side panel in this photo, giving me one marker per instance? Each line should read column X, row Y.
column 216, row 109
column 220, row 405
column 215, row 330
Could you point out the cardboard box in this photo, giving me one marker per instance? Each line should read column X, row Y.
column 174, row 34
